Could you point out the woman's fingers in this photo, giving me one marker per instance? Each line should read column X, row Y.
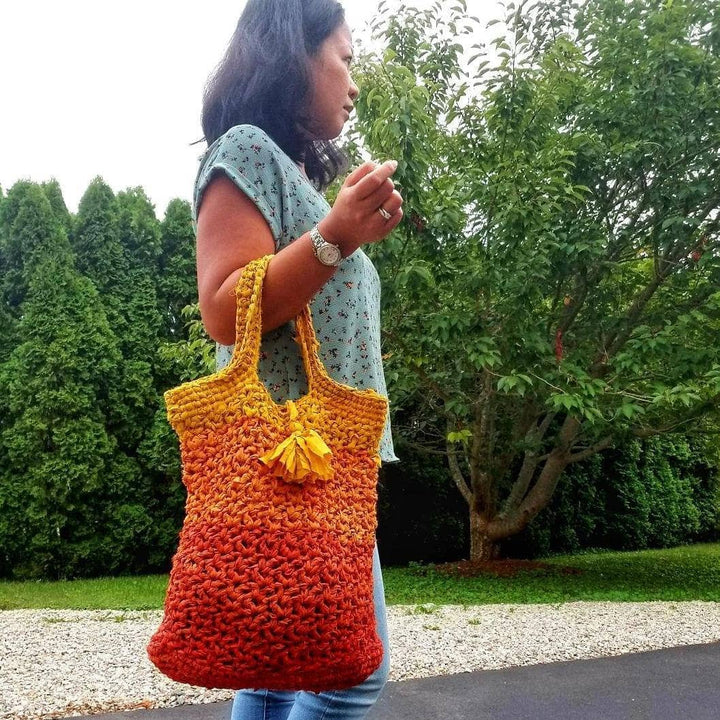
column 373, row 181
column 392, row 204
column 394, row 221
column 359, row 173
column 382, row 196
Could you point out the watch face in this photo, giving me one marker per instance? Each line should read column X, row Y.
column 329, row 254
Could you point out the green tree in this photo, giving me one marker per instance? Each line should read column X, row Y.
column 139, row 236
column 96, row 243
column 57, row 202
column 7, row 321
column 176, row 279
column 555, row 288
column 18, row 248
column 65, row 488
column 89, row 467
column 108, row 239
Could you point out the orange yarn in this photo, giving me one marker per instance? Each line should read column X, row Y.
column 271, row 585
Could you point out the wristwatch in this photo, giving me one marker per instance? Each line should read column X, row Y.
column 325, row 252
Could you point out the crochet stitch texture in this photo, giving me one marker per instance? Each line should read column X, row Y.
column 271, row 585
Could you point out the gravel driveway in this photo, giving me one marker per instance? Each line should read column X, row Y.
column 57, row 663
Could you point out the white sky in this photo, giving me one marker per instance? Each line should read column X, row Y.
column 114, row 89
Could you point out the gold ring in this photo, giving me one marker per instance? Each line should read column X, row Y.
column 384, row 212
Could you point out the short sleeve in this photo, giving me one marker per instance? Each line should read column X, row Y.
column 252, row 160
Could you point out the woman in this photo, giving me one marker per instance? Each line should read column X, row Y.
column 272, row 109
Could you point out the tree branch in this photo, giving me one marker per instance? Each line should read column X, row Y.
column 694, row 414
column 424, row 449
column 520, row 487
column 594, row 449
column 456, row 472
column 521, row 427
column 616, row 340
column 540, row 494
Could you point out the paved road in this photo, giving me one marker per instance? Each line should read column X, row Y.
column 675, row 684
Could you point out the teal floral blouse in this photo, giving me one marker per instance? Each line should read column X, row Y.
column 346, row 310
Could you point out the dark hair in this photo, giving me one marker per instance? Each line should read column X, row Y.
column 263, row 79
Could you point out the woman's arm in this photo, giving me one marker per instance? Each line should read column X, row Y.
column 231, row 232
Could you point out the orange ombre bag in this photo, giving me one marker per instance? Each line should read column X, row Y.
column 271, row 585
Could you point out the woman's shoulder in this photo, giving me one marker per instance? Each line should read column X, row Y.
column 250, row 158
column 248, row 138
column 245, row 149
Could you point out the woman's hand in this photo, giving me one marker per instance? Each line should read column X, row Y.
column 356, row 216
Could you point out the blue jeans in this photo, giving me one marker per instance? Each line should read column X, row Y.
column 351, row 704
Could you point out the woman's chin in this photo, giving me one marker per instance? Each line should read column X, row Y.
column 330, row 131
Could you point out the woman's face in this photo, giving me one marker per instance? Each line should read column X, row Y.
column 332, row 91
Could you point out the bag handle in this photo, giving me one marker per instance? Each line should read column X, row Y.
column 248, row 325
column 248, row 314
column 309, row 346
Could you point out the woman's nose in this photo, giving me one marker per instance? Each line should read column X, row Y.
column 354, row 91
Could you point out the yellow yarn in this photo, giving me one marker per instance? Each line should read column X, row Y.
column 303, row 455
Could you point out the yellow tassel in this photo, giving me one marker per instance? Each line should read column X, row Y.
column 301, row 456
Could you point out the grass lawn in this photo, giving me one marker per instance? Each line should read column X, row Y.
column 684, row 573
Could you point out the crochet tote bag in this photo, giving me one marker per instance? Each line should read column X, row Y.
column 271, row 585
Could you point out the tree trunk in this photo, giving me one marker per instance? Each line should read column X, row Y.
column 482, row 547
